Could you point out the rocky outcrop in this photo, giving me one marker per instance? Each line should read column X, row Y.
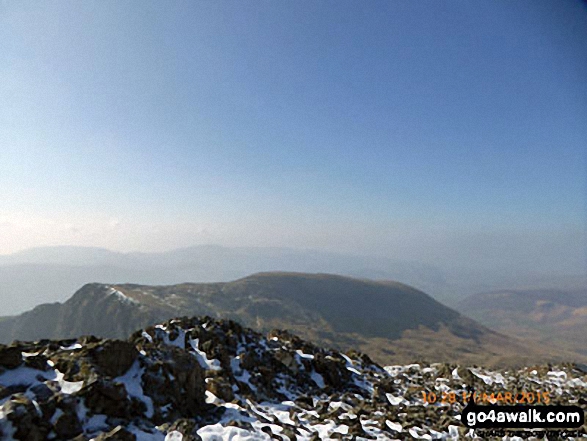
column 192, row 379
column 114, row 357
column 10, row 357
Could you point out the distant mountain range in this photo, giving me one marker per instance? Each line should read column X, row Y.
column 553, row 317
column 51, row 274
column 392, row 322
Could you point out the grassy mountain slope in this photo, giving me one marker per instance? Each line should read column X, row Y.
column 392, row 322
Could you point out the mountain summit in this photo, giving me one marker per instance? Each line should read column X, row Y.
column 391, row 321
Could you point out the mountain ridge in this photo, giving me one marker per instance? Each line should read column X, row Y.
column 49, row 274
column 389, row 320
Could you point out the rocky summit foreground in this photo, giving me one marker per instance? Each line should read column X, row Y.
column 201, row 378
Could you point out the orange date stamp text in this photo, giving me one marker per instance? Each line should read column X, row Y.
column 502, row 397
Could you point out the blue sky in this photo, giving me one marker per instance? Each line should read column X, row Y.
column 422, row 130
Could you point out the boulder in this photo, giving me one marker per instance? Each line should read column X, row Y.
column 106, row 398
column 114, row 357
column 176, row 378
column 333, row 370
column 222, row 389
column 10, row 357
column 288, row 360
column 38, row 362
column 68, row 426
column 25, row 419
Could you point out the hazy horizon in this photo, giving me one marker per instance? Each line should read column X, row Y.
column 448, row 133
column 49, row 274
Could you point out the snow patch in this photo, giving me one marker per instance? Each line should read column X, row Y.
column 394, row 401
column 488, row 378
column 132, row 382
column 72, row 347
column 306, row 356
column 121, row 297
column 393, row 426
column 203, row 359
column 174, row 436
column 68, row 387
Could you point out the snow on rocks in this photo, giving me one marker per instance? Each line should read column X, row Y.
column 200, row 378
column 121, row 296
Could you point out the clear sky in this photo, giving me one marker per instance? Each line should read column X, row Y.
column 426, row 130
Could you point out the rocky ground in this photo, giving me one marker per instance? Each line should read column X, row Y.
column 200, row 378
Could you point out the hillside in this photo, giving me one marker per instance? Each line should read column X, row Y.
column 200, row 378
column 391, row 321
column 552, row 317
